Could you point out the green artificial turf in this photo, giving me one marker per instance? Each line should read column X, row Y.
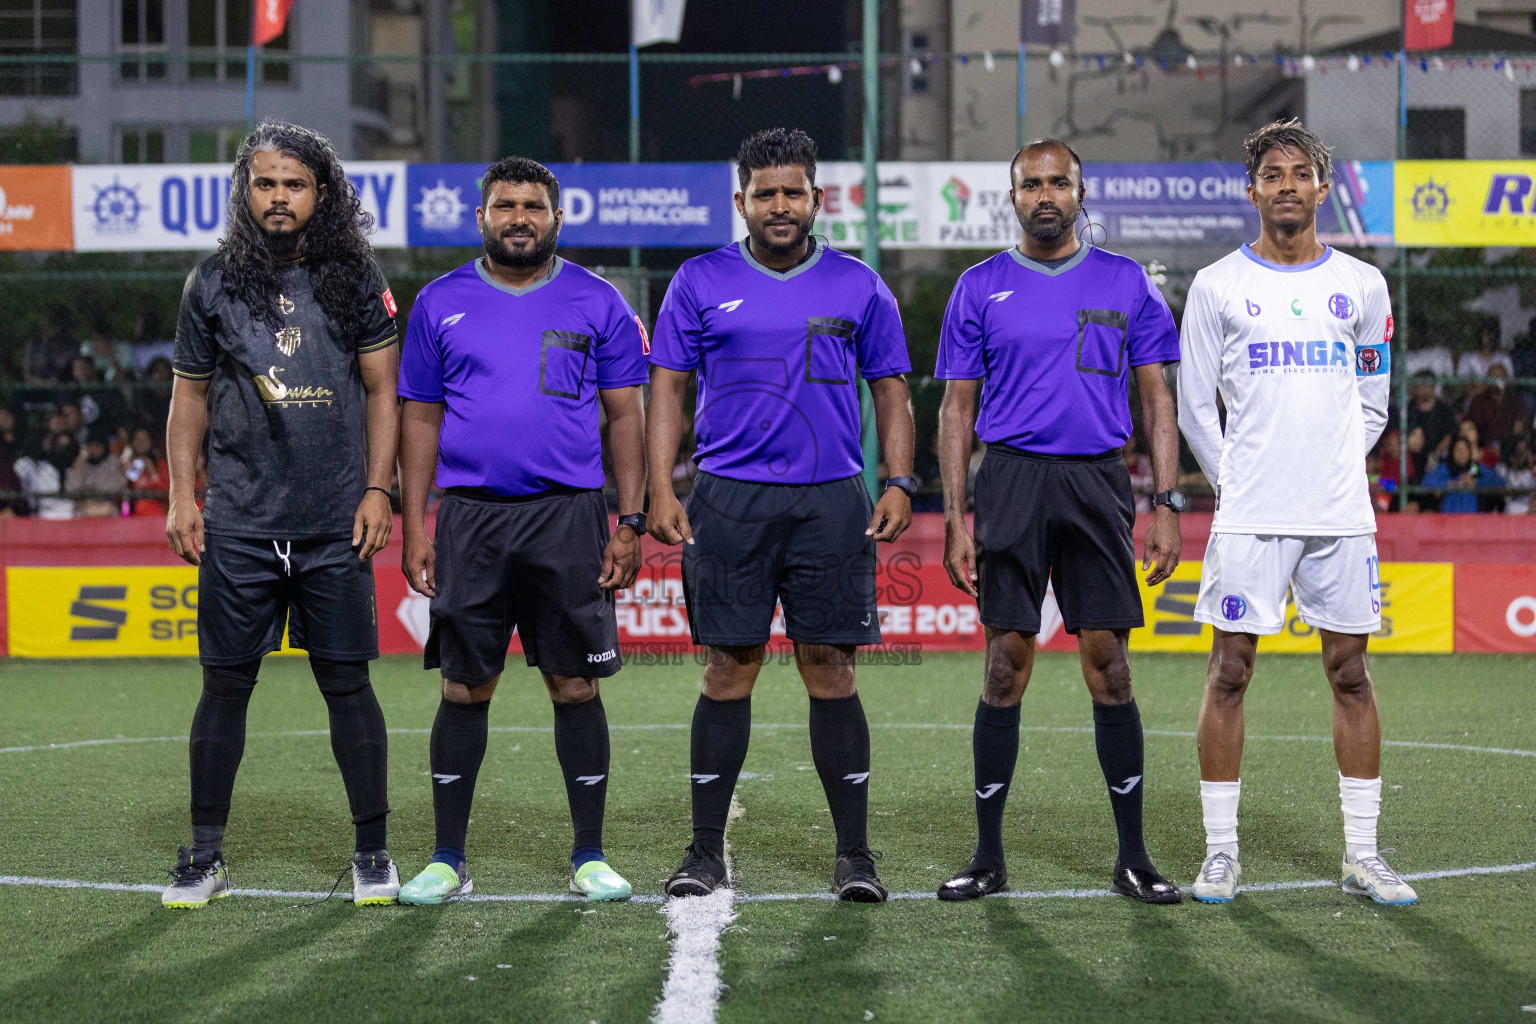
column 115, row 813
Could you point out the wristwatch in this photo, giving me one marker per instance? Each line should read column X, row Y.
column 635, row 521
column 906, row 483
column 1174, row 499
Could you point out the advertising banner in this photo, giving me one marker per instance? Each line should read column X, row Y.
column 1415, row 606
column 143, row 207
column 1466, row 202
column 618, row 205
column 34, row 208
column 967, row 206
column 1496, row 607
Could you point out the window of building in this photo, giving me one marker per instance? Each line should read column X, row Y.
column 1437, row 133
column 216, row 145
column 141, row 40
column 39, row 27
column 218, row 32
column 1528, row 122
column 141, row 145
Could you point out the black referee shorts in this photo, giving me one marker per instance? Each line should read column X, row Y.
column 526, row 563
column 247, row 589
column 757, row 544
column 1066, row 519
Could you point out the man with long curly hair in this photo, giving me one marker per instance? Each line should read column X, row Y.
column 290, row 328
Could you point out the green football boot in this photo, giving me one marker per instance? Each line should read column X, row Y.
column 439, row 883
column 597, row 881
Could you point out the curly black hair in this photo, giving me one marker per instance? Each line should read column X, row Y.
column 336, row 249
column 775, row 147
column 519, row 170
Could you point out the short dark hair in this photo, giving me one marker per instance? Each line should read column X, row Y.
column 1291, row 135
column 519, row 170
column 1045, row 143
column 775, row 147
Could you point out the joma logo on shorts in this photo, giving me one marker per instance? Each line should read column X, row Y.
column 607, row 655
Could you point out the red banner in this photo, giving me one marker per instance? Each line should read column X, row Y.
column 271, row 17
column 1428, row 24
column 1496, row 608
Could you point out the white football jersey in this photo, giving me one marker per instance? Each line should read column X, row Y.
column 1301, row 357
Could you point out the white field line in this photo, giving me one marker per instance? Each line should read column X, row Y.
column 691, row 993
column 27, row 881
column 1415, row 744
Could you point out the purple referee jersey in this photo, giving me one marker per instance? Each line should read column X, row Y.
column 779, row 356
column 1053, row 346
column 518, row 371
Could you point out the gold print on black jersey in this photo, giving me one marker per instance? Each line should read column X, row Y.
column 285, row 304
column 275, row 392
column 288, row 340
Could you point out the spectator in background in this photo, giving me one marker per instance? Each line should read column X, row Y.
column 1461, row 476
column 1387, row 473
column 1516, row 471
column 1497, row 410
column 46, row 358
column 1417, row 461
column 1431, row 415
column 41, row 473
column 111, row 359
column 152, row 398
column 10, row 437
column 94, row 475
column 149, row 341
column 1468, row 430
column 71, row 421
column 1487, row 356
column 146, row 470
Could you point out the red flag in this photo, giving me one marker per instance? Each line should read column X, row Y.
column 1428, row 24
column 272, row 17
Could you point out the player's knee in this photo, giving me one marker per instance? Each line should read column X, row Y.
column 230, row 682
column 462, row 693
column 1350, row 677
column 1114, row 681
column 339, row 678
column 1004, row 682
column 1229, row 675
column 570, row 689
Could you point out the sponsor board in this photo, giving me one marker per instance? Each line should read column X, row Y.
column 102, row 612
column 1496, row 607
column 966, row 205
column 1466, row 202
column 35, row 208
column 1415, row 614
column 651, row 205
column 140, row 207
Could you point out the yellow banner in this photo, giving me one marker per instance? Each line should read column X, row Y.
column 1416, row 614
column 111, row 612
column 1465, row 202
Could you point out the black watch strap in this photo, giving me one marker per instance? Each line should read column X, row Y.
column 635, row 521
column 1173, row 498
column 906, row 483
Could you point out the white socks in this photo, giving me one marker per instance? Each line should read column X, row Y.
column 1218, row 802
column 1360, row 800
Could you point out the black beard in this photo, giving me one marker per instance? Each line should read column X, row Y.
column 538, row 254
column 282, row 244
column 759, row 233
column 1043, row 233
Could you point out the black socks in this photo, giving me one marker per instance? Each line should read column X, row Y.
column 581, row 744
column 840, row 748
column 721, row 731
column 218, row 743
column 458, row 747
column 994, row 752
column 360, row 744
column 1118, row 739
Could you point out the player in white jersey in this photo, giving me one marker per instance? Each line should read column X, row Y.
column 1294, row 337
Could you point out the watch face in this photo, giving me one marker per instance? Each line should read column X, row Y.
column 1176, row 501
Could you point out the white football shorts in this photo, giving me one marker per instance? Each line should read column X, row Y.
column 1336, row 582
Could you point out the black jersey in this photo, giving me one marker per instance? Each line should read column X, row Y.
column 288, row 442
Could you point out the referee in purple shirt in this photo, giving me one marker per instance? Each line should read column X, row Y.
column 1055, row 328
